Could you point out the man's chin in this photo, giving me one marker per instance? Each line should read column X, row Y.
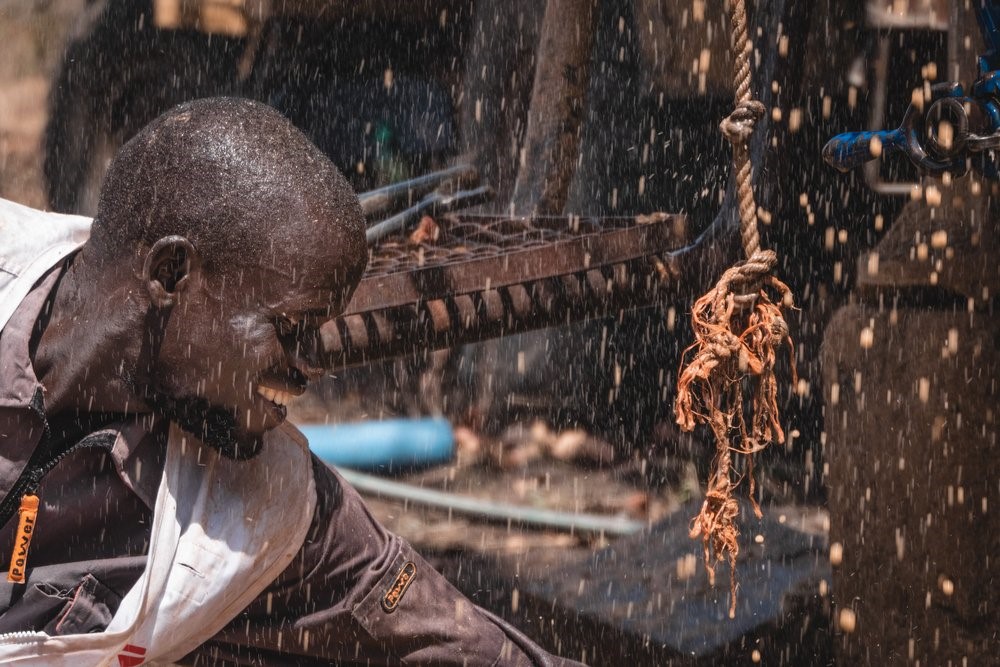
column 242, row 446
column 216, row 426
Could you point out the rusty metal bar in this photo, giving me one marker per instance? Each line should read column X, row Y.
column 493, row 276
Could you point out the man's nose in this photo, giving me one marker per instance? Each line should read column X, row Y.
column 305, row 356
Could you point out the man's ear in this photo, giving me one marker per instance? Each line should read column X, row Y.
column 167, row 267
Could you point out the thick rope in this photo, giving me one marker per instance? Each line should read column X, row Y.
column 738, row 127
column 738, row 329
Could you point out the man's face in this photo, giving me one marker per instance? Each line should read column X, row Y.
column 243, row 341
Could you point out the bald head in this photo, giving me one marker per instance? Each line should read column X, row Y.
column 223, row 241
column 233, row 177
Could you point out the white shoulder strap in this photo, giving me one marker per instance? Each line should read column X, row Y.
column 31, row 243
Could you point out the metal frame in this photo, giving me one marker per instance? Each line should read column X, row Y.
column 492, row 276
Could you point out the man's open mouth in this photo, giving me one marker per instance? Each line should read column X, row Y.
column 278, row 397
column 280, row 387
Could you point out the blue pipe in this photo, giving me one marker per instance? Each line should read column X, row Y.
column 378, row 445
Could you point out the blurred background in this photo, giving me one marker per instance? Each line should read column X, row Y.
column 33, row 35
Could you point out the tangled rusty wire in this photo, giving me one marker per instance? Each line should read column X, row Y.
column 738, row 329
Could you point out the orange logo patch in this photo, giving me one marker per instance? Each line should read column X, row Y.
column 398, row 588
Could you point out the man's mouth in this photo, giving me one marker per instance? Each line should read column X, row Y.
column 279, row 397
column 281, row 387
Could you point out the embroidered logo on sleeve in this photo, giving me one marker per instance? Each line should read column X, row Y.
column 131, row 656
column 398, row 588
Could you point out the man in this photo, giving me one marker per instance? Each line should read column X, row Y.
column 143, row 378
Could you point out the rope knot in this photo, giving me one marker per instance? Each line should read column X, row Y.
column 744, row 281
column 739, row 125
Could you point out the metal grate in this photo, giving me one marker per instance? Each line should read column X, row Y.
column 490, row 276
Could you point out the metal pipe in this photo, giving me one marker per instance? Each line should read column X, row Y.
column 433, row 204
column 392, row 197
column 573, row 522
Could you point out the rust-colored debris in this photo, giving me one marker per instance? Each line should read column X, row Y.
column 427, row 231
column 737, row 332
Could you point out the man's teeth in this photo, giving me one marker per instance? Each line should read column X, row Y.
column 279, row 397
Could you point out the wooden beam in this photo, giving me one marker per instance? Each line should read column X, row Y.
column 552, row 141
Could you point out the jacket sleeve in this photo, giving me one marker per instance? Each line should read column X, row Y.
column 357, row 594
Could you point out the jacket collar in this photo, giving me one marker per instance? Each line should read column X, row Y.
column 19, row 380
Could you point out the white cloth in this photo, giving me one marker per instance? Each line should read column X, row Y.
column 222, row 530
column 213, row 549
column 31, row 243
